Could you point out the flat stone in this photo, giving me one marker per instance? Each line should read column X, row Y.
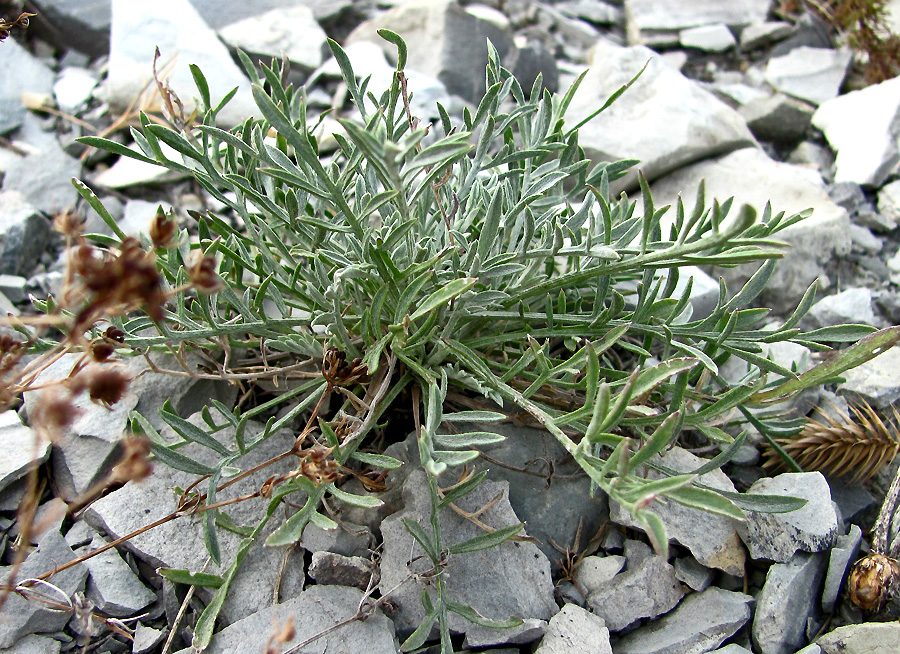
column 21, row 73
column 712, row 539
column 312, row 612
column 24, row 234
column 333, row 569
column 709, row 38
column 175, row 27
column 853, row 305
column 731, row 649
column 79, row 24
column 647, row 18
column 889, row 201
column 811, row 74
column 20, row 449
column 852, row 500
column 13, row 287
column 22, row 617
column 868, row 638
column 348, row 539
column 73, row 88
column 777, row 118
column 761, row 34
column 45, row 179
column 289, row 31
column 138, row 216
column 444, row 41
column 789, row 596
column 146, row 638
column 863, row 127
column 593, row 11
column 178, row 543
column 693, row 574
column 843, row 555
column 512, row 579
column 34, row 645
column 575, row 631
column 751, row 177
column 219, row 13
column 876, row 381
column 113, row 587
column 595, row 571
column 699, row 125
column 777, row 536
column 700, row 623
column 646, row 590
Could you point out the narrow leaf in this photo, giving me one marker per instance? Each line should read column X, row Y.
column 487, row 540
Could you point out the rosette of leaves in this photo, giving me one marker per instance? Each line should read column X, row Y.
column 488, row 264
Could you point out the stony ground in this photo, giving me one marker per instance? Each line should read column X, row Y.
column 754, row 102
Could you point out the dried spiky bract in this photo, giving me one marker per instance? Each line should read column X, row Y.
column 855, row 448
column 872, row 581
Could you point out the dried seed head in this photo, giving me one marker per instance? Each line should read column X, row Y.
column 54, row 413
column 114, row 334
column 318, row 467
column 101, row 350
column 106, row 385
column 69, row 223
column 204, row 276
column 163, row 228
column 11, row 351
column 135, row 462
column 872, row 581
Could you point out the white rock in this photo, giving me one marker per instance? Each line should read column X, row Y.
column 21, row 446
column 677, row 14
column 127, row 172
column 709, row 38
column 812, row 74
column 594, row 571
column 853, row 305
column 74, row 87
column 575, row 631
column 760, row 34
column 293, row 32
column 889, row 201
column 697, row 124
column 877, row 381
column 175, row 27
column 863, row 127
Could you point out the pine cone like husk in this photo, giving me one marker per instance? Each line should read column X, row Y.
column 872, row 581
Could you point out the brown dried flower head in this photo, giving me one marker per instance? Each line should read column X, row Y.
column 203, row 274
column 163, row 228
column 318, row 467
column 11, row 351
column 105, row 384
column 135, row 462
column 114, row 334
column 872, row 581
column 54, row 413
column 101, row 350
column 69, row 223
column 338, row 372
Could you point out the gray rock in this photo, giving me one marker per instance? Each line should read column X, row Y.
column 647, row 18
column 13, row 287
column 645, row 590
column 79, row 24
column 22, row 617
column 533, row 59
column 45, row 179
column 575, row 631
column 34, row 645
column 811, row 74
column 752, row 178
column 875, row 381
column 701, row 623
column 593, row 11
column 73, row 88
column 444, row 41
column 24, row 234
column 852, row 500
column 813, row 156
column 849, row 195
column 21, row 73
column 698, row 124
column 313, row 611
column 843, row 555
column 889, row 201
column 853, row 305
column 712, row 539
column 874, row 221
column 731, row 649
column 348, row 539
column 126, row 172
column 146, row 638
column 290, row 31
column 219, row 13
column 335, row 570
column 863, row 127
column 175, row 27
column 762, row 34
column 810, row 649
column 809, row 31
column 176, row 544
column 138, row 215
column 693, row 574
column 595, row 571
column 113, row 587
column 21, row 447
column 789, row 596
column 777, row 536
column 869, row 638
column 709, row 38
column 512, row 579
column 778, row 118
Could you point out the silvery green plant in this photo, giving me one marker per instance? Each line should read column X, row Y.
column 489, row 260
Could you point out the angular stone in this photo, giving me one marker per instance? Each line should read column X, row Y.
column 693, row 574
column 575, row 631
column 20, row 449
column 709, row 38
column 732, row 649
column 512, row 579
column 712, row 539
column 645, row 590
column 843, row 555
column 219, row 13
column 21, row 617
column 595, row 571
column 698, row 125
column 292, row 32
column 45, row 179
column 127, row 172
column 113, row 587
column 868, row 638
column 876, row 381
column 853, row 305
column 751, row 177
column 179, row 543
column 761, row 34
column 73, row 88
column 24, row 234
column 811, row 74
column 34, row 645
column 863, row 127
column 593, row 11
column 175, row 27
column 335, row 570
column 889, row 201
column 700, row 623
column 444, row 40
column 777, row 118
column 789, row 596
column 21, row 73
column 348, row 539
column 647, row 18
column 146, row 638
column 312, row 612
column 79, row 24
column 777, row 536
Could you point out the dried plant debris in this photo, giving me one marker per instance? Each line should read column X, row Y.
column 854, row 448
